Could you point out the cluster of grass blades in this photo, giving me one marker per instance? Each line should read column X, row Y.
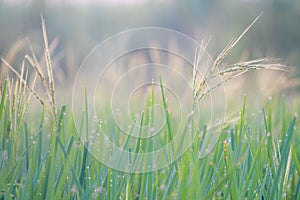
column 42, row 156
column 257, row 157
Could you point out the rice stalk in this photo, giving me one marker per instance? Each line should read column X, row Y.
column 233, row 71
column 49, row 69
column 231, row 45
column 26, row 85
column 36, row 66
column 198, row 55
column 26, row 102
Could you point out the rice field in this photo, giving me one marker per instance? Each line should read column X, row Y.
column 46, row 154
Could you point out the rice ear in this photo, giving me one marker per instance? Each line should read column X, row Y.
column 232, row 71
column 49, row 69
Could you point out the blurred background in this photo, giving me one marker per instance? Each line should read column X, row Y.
column 75, row 26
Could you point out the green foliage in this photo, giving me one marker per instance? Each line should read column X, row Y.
column 256, row 157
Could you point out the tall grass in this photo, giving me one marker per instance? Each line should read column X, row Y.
column 42, row 157
column 257, row 157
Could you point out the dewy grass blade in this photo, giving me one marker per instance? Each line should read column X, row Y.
column 83, row 166
column 295, row 159
column 168, row 120
column 251, row 173
column 3, row 97
column 62, row 171
column 220, row 183
column 146, row 145
column 284, row 151
column 170, row 181
column 138, row 144
column 7, row 172
column 60, row 119
column 86, row 114
column 233, row 187
column 269, row 138
column 246, row 129
column 69, row 165
column 150, row 175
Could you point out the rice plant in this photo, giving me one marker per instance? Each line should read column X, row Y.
column 43, row 157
